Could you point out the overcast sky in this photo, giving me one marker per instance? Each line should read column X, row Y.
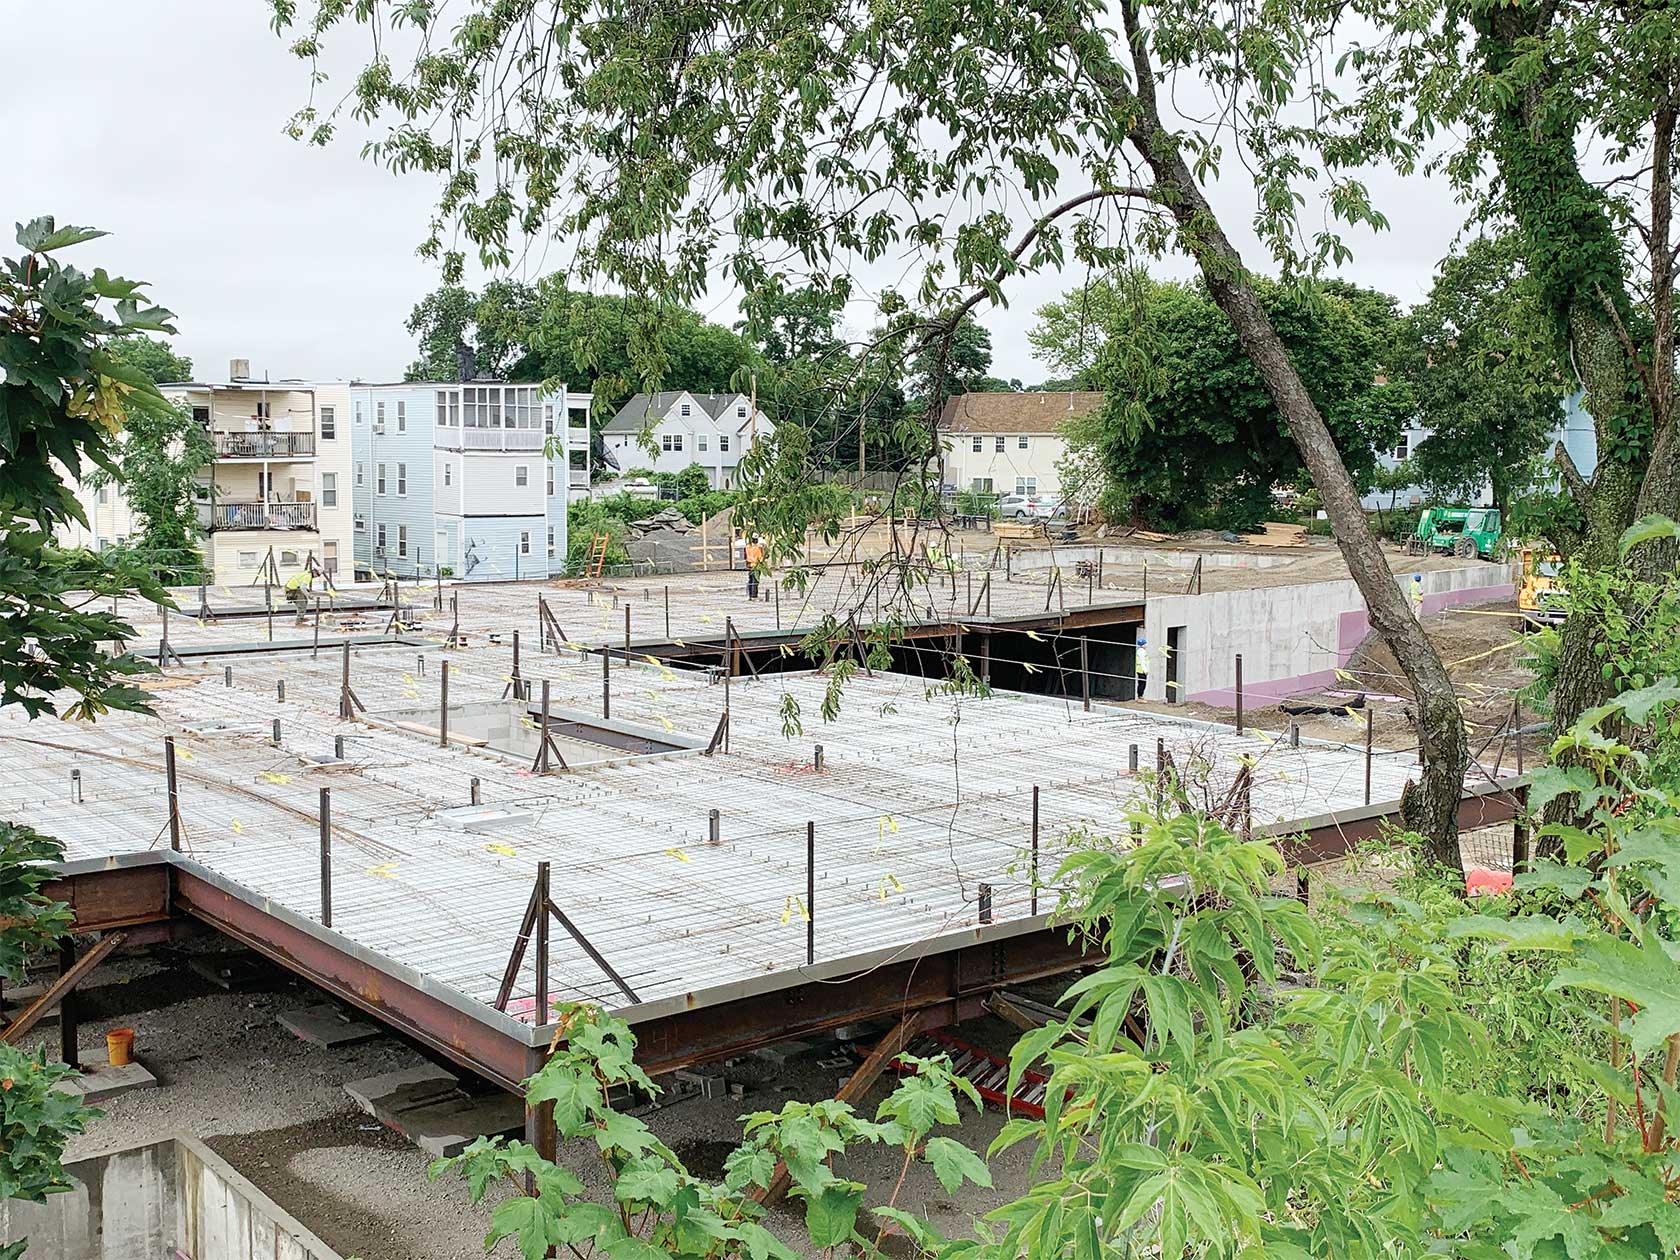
column 167, row 133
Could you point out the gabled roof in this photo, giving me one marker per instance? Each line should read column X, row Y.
column 635, row 415
column 1032, row 411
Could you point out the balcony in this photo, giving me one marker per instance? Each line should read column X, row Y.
column 265, row 445
column 233, row 514
column 468, row 439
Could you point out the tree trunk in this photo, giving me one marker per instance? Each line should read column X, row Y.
column 1429, row 807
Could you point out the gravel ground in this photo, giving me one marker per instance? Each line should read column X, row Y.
column 274, row 1107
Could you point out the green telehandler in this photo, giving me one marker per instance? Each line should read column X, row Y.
column 1456, row 532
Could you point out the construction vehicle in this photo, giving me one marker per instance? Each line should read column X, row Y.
column 1462, row 532
column 1541, row 598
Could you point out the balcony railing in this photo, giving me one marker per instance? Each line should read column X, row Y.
column 264, row 445
column 228, row 514
column 464, row 438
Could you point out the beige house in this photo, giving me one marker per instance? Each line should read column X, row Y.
column 1009, row 443
column 278, row 488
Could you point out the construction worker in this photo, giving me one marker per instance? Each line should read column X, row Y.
column 1141, row 668
column 755, row 558
column 1417, row 596
column 297, row 590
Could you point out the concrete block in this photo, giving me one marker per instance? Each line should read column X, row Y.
column 99, row 1080
column 784, row 1052
column 388, row 1095
column 231, row 971
column 448, row 1127
column 327, row 1025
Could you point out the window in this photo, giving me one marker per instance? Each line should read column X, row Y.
column 521, row 474
column 670, row 441
column 448, row 408
column 524, row 542
column 104, row 494
column 329, row 424
column 379, row 538
column 723, row 443
column 262, row 410
column 201, row 415
column 551, row 542
column 402, row 478
column 288, row 557
column 358, row 413
column 740, row 411
column 402, row 540
column 402, row 417
column 329, row 489
column 379, row 478
column 361, row 523
column 379, row 416
column 548, row 418
column 997, row 444
column 1403, row 448
column 981, row 485
column 446, row 471
column 247, row 559
column 664, row 441
column 1026, row 485
column 1021, row 442
column 685, row 409
column 700, row 441
column 977, row 445
column 359, row 480
column 551, row 481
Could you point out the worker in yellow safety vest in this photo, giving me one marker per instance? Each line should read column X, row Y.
column 1141, row 668
column 1417, row 596
column 297, row 590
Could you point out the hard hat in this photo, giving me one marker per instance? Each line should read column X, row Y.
column 1417, row 577
column 1141, row 640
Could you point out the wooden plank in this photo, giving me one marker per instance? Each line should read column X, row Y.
column 857, row 1085
column 31, row 1014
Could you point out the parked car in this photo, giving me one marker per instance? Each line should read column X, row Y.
column 1027, row 507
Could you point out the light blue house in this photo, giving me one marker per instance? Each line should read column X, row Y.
column 470, row 479
column 1574, row 430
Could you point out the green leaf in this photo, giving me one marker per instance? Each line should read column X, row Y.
column 647, row 1184
column 1647, row 528
column 1643, row 974
column 522, row 1218
column 1534, row 931
column 1571, row 881
column 1639, row 704
column 575, row 1095
column 1547, row 783
column 831, row 1216
column 39, row 236
column 953, row 1163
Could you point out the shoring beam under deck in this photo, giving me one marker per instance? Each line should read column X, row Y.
column 948, row 978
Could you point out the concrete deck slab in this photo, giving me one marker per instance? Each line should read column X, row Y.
column 327, row 1025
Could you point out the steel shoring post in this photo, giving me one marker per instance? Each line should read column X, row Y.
column 810, row 893
column 443, row 706
column 606, row 682
column 174, row 793
column 539, row 1015
column 521, row 942
column 516, row 685
column 326, row 857
column 67, row 1024
column 1240, row 698
column 1035, row 849
column 1085, row 671
column 1367, row 754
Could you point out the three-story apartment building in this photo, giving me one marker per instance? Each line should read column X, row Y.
column 274, row 499
column 467, row 478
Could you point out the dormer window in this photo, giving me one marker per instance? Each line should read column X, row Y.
column 685, row 409
column 740, row 411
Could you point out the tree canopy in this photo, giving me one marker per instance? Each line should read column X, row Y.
column 1479, row 358
column 151, row 355
column 1188, row 436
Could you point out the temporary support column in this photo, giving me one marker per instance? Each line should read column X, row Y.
column 540, row 1014
column 627, row 630
column 67, row 1026
column 443, row 706
column 1367, row 752
column 348, row 700
column 1085, row 671
column 606, row 682
column 516, row 684
column 174, row 793
column 326, row 857
column 1035, row 842
column 1239, row 703
column 810, row 893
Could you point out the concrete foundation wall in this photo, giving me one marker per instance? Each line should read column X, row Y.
column 1292, row 638
column 1038, row 558
column 173, row 1198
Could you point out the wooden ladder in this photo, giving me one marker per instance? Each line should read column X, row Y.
column 597, row 556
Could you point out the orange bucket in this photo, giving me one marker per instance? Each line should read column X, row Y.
column 119, row 1046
